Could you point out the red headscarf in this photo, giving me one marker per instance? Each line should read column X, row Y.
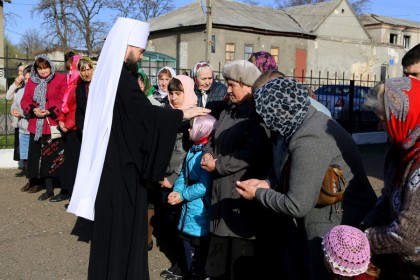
column 402, row 108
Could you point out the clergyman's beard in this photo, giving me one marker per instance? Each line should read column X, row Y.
column 132, row 65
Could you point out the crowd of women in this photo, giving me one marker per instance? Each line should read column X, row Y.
column 240, row 196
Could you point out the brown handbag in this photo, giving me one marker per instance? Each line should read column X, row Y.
column 332, row 188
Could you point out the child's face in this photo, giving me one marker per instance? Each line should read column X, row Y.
column 163, row 82
column 176, row 98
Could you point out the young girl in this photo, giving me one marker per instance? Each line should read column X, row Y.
column 164, row 76
column 347, row 254
column 181, row 96
column 194, row 187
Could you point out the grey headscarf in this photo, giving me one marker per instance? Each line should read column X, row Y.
column 283, row 104
column 40, row 91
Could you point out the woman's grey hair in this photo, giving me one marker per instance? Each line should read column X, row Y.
column 375, row 100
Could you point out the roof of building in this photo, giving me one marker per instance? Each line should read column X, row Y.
column 311, row 16
column 372, row 19
column 303, row 19
column 229, row 13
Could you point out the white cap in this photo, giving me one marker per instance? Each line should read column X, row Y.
column 139, row 32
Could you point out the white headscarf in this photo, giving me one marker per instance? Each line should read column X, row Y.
column 162, row 93
column 99, row 111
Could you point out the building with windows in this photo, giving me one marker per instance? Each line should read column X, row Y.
column 326, row 38
column 394, row 31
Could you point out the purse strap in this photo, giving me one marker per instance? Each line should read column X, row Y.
column 48, row 122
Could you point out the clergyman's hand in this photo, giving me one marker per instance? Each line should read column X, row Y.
column 194, row 112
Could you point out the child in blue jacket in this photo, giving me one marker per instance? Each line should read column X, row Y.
column 193, row 189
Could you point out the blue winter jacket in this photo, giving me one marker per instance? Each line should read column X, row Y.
column 194, row 186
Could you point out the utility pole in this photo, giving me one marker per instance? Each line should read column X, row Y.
column 2, row 70
column 208, row 30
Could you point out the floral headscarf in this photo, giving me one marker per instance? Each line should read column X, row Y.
column 190, row 98
column 264, row 61
column 402, row 108
column 40, row 92
column 283, row 104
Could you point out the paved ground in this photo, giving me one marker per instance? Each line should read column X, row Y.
column 36, row 240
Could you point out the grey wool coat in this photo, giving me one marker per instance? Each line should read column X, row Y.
column 243, row 151
column 318, row 143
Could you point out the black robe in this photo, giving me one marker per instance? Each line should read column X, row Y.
column 140, row 146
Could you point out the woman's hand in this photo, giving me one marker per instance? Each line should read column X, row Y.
column 41, row 113
column 62, row 126
column 248, row 188
column 165, row 183
column 15, row 113
column 19, row 80
column 208, row 163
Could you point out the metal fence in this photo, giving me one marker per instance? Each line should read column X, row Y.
column 344, row 97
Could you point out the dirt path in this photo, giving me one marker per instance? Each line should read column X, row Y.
column 35, row 239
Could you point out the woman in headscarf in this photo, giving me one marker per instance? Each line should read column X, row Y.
column 164, row 75
column 393, row 226
column 67, row 123
column 264, row 61
column 146, row 87
column 305, row 144
column 85, row 68
column 42, row 102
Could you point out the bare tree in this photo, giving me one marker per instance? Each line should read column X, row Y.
column 92, row 32
column 56, row 20
column 33, row 42
column 359, row 6
column 70, row 22
column 141, row 9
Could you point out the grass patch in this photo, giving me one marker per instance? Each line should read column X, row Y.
column 7, row 142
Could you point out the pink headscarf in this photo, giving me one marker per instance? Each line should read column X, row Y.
column 71, row 82
column 190, row 98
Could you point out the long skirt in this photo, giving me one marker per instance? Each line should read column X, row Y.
column 45, row 157
column 72, row 144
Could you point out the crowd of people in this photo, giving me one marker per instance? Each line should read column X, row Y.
column 226, row 176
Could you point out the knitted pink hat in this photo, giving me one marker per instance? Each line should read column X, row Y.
column 346, row 250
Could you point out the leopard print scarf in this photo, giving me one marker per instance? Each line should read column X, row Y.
column 283, row 104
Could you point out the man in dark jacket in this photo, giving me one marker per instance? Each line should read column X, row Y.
column 211, row 94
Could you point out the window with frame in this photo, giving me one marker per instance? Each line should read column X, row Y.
column 406, row 42
column 393, row 38
column 275, row 54
column 230, row 52
column 248, row 50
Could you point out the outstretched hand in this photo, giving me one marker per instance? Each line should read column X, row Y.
column 248, row 188
column 194, row 112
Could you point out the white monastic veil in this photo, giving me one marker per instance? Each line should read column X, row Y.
column 99, row 111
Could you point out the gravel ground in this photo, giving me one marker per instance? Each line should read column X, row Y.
column 36, row 240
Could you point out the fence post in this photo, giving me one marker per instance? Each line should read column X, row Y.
column 350, row 108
